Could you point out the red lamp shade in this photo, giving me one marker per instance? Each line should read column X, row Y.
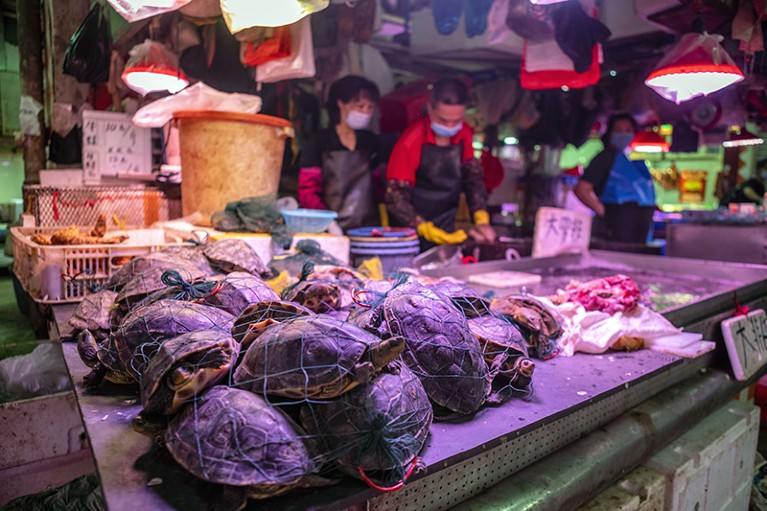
column 153, row 68
column 649, row 142
column 696, row 66
column 742, row 137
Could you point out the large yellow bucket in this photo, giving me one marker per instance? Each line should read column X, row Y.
column 227, row 156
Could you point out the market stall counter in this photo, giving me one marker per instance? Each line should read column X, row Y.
column 571, row 398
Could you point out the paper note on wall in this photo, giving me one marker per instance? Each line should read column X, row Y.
column 114, row 146
column 561, row 231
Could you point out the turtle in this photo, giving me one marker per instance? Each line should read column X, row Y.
column 504, row 349
column 92, row 314
column 258, row 316
column 238, row 290
column 308, row 250
column 232, row 254
column 540, row 325
column 104, row 360
column 192, row 255
column 347, row 280
column 439, row 347
column 378, row 427
column 157, row 262
column 313, row 357
column 184, row 367
column 235, row 438
column 316, row 295
column 463, row 297
column 146, row 328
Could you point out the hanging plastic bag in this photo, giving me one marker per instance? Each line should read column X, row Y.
column 447, row 15
column 300, row 64
column 476, row 16
column 88, row 53
column 242, row 14
column 135, row 10
column 197, row 97
column 275, row 47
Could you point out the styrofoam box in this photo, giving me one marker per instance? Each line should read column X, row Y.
column 707, row 467
column 642, row 489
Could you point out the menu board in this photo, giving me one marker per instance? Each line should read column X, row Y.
column 114, row 146
column 746, row 341
column 561, row 231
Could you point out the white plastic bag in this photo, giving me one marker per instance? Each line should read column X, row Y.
column 196, row 97
column 135, row 10
column 38, row 373
column 300, row 64
column 242, row 14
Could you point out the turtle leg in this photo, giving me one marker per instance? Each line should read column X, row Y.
column 95, row 377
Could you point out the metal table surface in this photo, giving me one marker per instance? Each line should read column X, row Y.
column 580, row 386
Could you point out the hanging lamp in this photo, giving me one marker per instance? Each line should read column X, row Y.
column 649, row 142
column 740, row 137
column 153, row 68
column 242, row 14
column 696, row 66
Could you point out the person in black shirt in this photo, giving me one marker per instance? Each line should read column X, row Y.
column 337, row 163
column 751, row 190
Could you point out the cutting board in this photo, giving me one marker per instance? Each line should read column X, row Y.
column 505, row 279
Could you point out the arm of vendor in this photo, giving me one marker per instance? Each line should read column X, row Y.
column 433, row 162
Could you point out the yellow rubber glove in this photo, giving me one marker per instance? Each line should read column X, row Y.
column 430, row 232
column 481, row 217
column 384, row 214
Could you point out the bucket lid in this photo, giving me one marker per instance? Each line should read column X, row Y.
column 378, row 245
column 217, row 115
column 382, row 233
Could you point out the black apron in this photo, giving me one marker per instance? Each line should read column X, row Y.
column 437, row 187
column 347, row 188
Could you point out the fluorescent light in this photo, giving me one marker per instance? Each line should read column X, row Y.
column 242, row 14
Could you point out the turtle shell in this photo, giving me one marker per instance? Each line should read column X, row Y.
column 146, row 328
column 102, row 358
column 192, row 255
column 93, row 312
column 540, row 325
column 232, row 254
column 380, row 426
column 313, row 357
column 439, row 347
column 466, row 299
column 151, row 281
column 238, row 290
column 502, row 345
column 234, row 437
column 316, row 295
column 258, row 316
column 347, row 281
column 184, row 367
column 161, row 261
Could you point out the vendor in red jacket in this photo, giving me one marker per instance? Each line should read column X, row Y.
column 431, row 164
column 337, row 164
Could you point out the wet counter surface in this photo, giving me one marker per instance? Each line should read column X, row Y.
column 136, row 473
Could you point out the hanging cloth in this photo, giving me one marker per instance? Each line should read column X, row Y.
column 447, row 15
column 577, row 33
column 476, row 16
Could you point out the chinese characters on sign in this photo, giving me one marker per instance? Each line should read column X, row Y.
column 560, row 231
column 114, row 146
column 746, row 341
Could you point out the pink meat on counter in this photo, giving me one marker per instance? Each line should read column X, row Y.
column 613, row 294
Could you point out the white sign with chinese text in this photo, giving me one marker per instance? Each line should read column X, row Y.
column 561, row 231
column 746, row 341
column 114, row 146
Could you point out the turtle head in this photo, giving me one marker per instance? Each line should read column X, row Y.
column 386, row 351
column 87, row 348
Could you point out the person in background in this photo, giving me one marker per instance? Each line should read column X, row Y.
column 618, row 190
column 337, row 164
column 751, row 190
column 430, row 165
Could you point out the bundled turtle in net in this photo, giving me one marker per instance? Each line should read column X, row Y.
column 233, row 437
column 184, row 367
column 104, row 360
column 146, row 328
column 347, row 280
column 157, row 262
column 313, row 357
column 92, row 314
column 504, row 349
column 316, row 295
column 439, row 347
column 255, row 319
column 379, row 427
column 540, row 325
column 232, row 254
column 463, row 297
column 235, row 292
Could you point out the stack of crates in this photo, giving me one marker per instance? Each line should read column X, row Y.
column 709, row 468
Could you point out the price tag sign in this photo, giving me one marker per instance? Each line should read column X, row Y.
column 746, row 341
column 561, row 231
column 114, row 146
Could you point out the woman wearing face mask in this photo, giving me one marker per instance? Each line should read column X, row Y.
column 337, row 163
column 620, row 191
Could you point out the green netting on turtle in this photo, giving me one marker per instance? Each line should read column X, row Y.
column 540, row 326
column 146, row 328
column 177, row 258
column 237, row 291
column 92, row 314
column 231, row 254
column 325, row 288
column 251, row 214
column 255, row 319
column 306, row 251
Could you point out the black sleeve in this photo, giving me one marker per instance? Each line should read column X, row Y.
column 311, row 153
column 368, row 141
column 756, row 186
column 599, row 170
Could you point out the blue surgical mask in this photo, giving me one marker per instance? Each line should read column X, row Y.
column 357, row 120
column 621, row 139
column 445, row 131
